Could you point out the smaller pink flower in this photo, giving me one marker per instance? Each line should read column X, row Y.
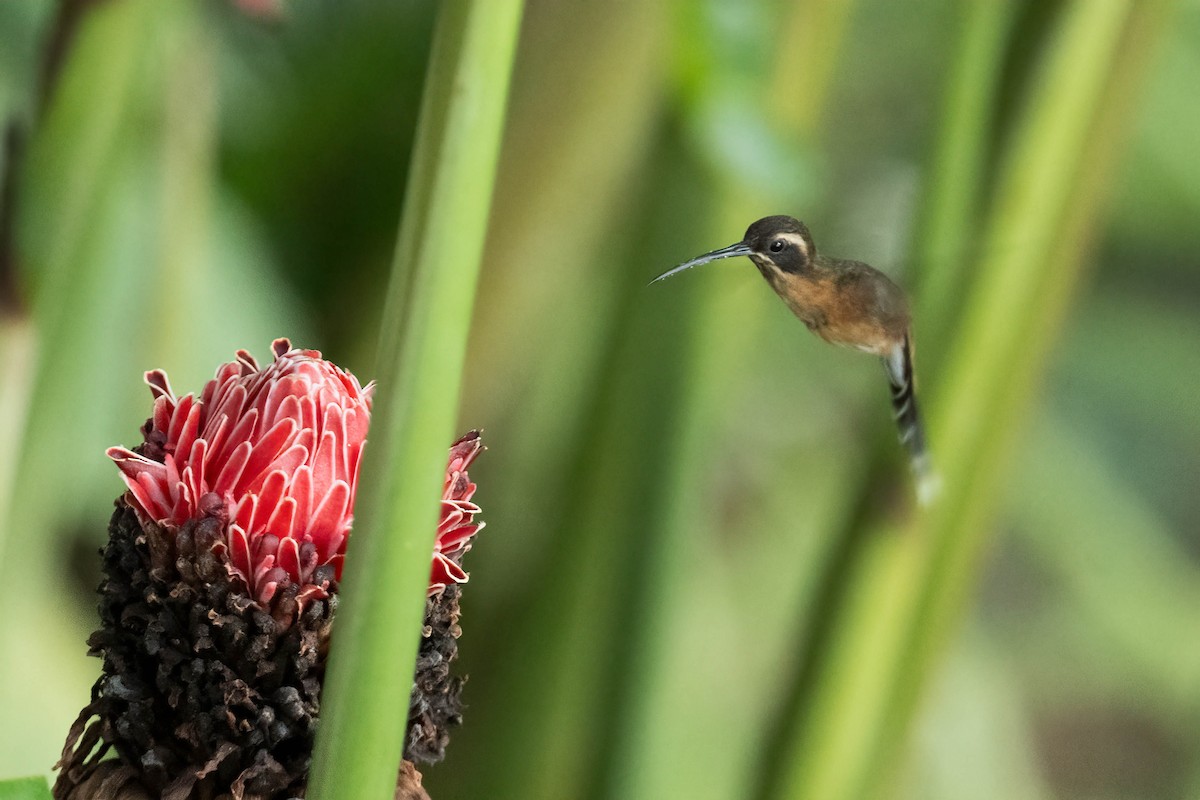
column 455, row 527
column 273, row 452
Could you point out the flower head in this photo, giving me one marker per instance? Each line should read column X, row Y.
column 455, row 526
column 272, row 452
column 240, row 502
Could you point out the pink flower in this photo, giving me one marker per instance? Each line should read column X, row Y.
column 455, row 527
column 273, row 453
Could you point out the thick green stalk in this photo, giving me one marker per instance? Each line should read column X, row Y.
column 905, row 583
column 17, row 353
column 722, row 330
column 72, row 181
column 811, row 35
column 419, row 368
column 69, row 199
column 1115, row 49
column 950, row 213
column 545, row 688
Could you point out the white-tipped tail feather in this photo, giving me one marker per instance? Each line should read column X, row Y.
column 899, row 367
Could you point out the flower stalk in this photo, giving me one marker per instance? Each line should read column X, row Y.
column 419, row 369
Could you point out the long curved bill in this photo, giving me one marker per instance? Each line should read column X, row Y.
column 739, row 249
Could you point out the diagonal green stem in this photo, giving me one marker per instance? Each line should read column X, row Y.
column 422, row 349
column 950, row 213
column 905, row 583
column 1066, row 163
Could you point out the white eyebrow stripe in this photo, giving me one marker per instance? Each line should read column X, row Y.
column 795, row 239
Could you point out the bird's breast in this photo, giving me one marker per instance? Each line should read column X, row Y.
column 831, row 312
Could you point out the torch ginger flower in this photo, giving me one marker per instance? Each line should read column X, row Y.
column 239, row 501
column 273, row 452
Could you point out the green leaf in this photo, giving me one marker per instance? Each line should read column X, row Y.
column 25, row 789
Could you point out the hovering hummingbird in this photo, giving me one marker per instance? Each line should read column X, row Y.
column 843, row 302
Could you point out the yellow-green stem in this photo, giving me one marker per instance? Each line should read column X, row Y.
column 950, row 213
column 419, row 369
column 906, row 582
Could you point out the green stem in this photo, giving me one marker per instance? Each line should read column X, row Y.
column 590, row 67
column 65, row 180
column 806, row 56
column 950, row 213
column 1100, row 66
column 722, row 330
column 905, row 583
column 422, row 349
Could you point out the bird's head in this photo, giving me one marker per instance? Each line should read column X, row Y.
column 775, row 244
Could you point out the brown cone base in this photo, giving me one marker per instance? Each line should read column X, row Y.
column 436, row 704
column 202, row 693
column 112, row 780
column 205, row 695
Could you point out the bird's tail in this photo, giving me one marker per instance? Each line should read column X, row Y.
column 899, row 366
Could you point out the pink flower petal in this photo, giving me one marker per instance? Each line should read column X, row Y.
column 283, row 519
column 268, row 447
column 245, row 510
column 244, row 430
column 300, row 490
column 331, row 511
column 230, row 402
column 329, row 547
column 466, row 507
column 187, row 432
column 445, row 571
column 179, row 418
column 156, row 379
column 289, row 556
column 453, row 540
column 215, row 432
column 334, row 426
column 163, row 408
column 231, row 473
column 198, row 463
column 131, row 464
column 172, row 479
column 269, row 497
column 239, row 551
column 153, row 497
column 281, row 400
column 324, row 473
column 291, row 459
column 247, row 362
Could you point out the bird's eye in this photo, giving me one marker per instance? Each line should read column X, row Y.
column 778, row 245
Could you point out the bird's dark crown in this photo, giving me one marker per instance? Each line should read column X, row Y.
column 774, row 240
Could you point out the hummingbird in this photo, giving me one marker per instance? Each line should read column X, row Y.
column 846, row 303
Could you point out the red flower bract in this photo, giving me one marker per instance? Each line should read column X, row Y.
column 455, row 528
column 273, row 452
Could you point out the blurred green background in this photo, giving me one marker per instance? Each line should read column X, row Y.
column 687, row 495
